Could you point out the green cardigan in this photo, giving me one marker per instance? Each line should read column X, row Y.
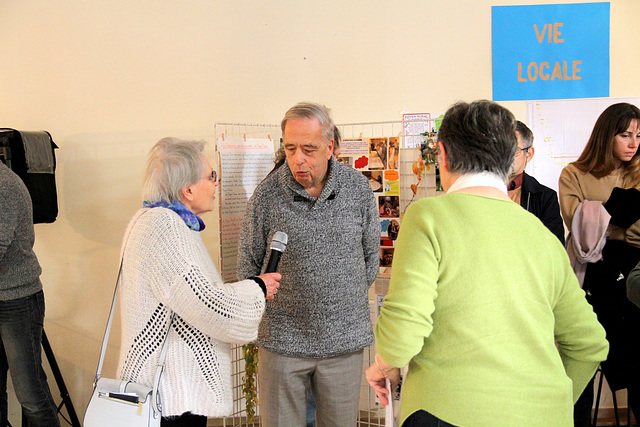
column 480, row 295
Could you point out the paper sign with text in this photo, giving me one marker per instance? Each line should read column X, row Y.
column 244, row 162
column 550, row 51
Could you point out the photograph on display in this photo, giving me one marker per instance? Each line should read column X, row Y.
column 382, row 282
column 429, row 148
column 346, row 160
column 386, row 257
column 394, row 153
column 391, row 182
column 354, row 147
column 378, row 153
column 360, row 163
column 389, row 206
column 375, row 180
column 389, row 228
column 393, row 229
column 354, row 152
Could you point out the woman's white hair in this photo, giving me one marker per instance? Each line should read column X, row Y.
column 172, row 165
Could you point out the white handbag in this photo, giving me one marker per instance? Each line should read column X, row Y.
column 124, row 403
column 121, row 403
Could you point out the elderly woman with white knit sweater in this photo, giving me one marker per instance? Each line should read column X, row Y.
column 171, row 288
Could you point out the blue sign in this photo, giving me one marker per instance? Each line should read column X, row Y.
column 550, row 51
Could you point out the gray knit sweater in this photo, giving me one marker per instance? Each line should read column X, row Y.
column 19, row 267
column 322, row 308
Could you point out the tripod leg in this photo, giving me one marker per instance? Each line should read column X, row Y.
column 615, row 407
column 66, row 400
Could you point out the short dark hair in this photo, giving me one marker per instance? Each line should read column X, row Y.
column 337, row 137
column 479, row 137
column 525, row 133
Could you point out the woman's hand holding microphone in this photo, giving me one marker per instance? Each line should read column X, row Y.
column 272, row 283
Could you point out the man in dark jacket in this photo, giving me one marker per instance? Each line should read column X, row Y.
column 525, row 190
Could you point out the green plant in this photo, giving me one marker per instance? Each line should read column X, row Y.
column 250, row 354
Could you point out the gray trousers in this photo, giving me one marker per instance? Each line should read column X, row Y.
column 284, row 383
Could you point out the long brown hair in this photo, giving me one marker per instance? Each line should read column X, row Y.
column 597, row 157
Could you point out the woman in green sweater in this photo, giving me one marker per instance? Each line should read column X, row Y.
column 483, row 305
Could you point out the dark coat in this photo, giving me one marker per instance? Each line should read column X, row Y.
column 542, row 201
column 607, row 292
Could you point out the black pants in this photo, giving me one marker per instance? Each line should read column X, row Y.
column 423, row 418
column 605, row 283
column 185, row 420
column 582, row 408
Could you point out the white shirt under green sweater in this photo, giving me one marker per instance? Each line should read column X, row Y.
column 480, row 292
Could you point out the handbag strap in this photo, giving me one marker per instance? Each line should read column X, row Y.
column 155, row 395
column 105, row 339
column 163, row 353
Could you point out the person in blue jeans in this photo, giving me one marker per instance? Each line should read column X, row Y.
column 311, row 410
column 21, row 307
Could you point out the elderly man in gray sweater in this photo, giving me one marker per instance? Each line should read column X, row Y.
column 313, row 333
column 21, row 306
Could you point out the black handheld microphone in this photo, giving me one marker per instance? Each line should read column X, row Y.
column 278, row 245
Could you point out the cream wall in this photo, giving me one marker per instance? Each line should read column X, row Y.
column 109, row 78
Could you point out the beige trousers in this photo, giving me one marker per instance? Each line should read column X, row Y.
column 284, row 383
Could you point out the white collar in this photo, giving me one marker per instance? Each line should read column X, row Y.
column 482, row 179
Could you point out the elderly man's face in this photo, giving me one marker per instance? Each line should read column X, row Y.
column 307, row 153
column 521, row 159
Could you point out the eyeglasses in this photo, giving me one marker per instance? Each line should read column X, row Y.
column 520, row 150
column 214, row 175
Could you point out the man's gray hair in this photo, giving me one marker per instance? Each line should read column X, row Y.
column 525, row 134
column 172, row 165
column 309, row 110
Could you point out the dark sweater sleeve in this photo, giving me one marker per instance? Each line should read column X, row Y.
column 260, row 283
column 624, row 206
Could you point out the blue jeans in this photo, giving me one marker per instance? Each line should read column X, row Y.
column 21, row 322
column 311, row 410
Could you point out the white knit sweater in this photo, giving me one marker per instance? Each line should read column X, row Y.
column 167, row 270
